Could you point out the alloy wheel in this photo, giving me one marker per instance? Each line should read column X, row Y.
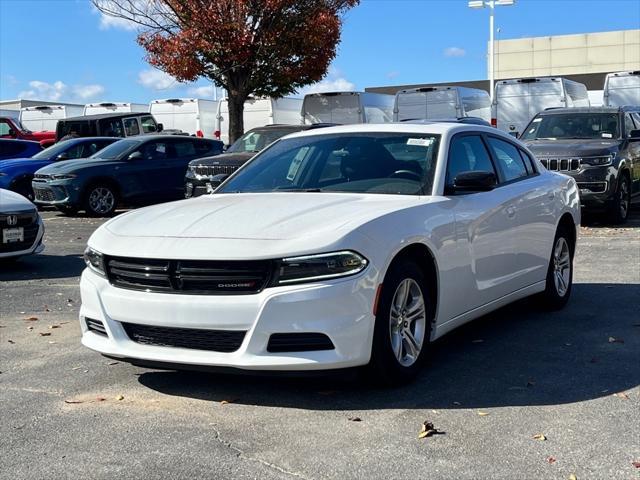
column 407, row 322
column 561, row 266
column 101, row 200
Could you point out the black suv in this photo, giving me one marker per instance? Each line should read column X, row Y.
column 108, row 125
column 598, row 146
column 205, row 174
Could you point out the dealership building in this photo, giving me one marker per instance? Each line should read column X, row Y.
column 586, row 58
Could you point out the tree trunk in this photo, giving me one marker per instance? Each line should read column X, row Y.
column 236, row 116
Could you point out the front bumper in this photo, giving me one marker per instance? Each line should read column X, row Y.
column 340, row 309
column 194, row 186
column 597, row 186
column 52, row 193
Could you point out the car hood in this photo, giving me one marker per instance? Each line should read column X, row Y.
column 14, row 202
column 568, row 148
column 251, row 225
column 225, row 159
column 68, row 166
column 21, row 162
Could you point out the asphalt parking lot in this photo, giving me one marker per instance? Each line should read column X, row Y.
column 572, row 376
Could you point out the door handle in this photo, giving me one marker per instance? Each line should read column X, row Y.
column 511, row 211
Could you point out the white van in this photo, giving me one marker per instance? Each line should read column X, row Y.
column 347, row 108
column 442, row 102
column 194, row 116
column 114, row 107
column 517, row 101
column 622, row 88
column 259, row 112
column 45, row 117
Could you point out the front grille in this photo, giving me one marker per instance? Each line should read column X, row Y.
column 21, row 219
column 298, row 342
column 561, row 164
column 193, row 277
column 225, row 341
column 96, row 326
column 593, row 187
column 30, row 235
column 210, row 170
column 44, row 194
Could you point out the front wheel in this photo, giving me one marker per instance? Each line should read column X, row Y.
column 100, row 201
column 620, row 207
column 403, row 325
column 560, row 272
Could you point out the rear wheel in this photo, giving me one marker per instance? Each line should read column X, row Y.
column 619, row 210
column 560, row 272
column 100, row 200
column 403, row 325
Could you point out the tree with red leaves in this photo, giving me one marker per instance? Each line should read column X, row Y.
column 249, row 47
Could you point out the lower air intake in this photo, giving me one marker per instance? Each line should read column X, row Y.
column 95, row 326
column 298, row 342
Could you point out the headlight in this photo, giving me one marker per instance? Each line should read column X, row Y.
column 94, row 261
column 320, row 267
column 63, row 176
column 597, row 161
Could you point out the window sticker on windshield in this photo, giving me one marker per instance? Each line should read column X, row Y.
column 420, row 142
column 607, row 135
column 161, row 148
column 536, row 120
column 295, row 165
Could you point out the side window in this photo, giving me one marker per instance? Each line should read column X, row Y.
column 112, row 128
column 467, row 154
column 509, row 160
column 131, row 126
column 628, row 125
column 636, row 118
column 148, row 124
column 157, row 150
column 4, row 128
column 76, row 151
column 184, row 148
column 528, row 162
column 203, row 148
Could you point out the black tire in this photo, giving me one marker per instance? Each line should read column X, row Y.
column 100, row 200
column 67, row 210
column 554, row 296
column 384, row 366
column 619, row 209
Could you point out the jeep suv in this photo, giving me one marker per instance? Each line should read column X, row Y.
column 108, row 125
column 598, row 146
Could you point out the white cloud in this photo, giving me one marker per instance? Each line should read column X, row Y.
column 203, row 91
column 454, row 52
column 156, row 80
column 339, row 84
column 393, row 74
column 58, row 91
column 107, row 21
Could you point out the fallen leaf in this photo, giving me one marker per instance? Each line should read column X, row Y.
column 29, row 327
column 573, row 477
column 47, row 309
column 44, row 334
column 428, row 430
column 113, row 363
column 100, row 399
column 74, row 401
column 76, row 368
column 615, row 340
column 69, row 300
column 540, row 437
column 31, row 319
column 120, row 397
column 11, row 341
column 636, row 464
column 551, row 460
column 52, row 342
column 622, row 395
column 225, row 402
column 483, row 414
column 54, row 326
column 354, row 419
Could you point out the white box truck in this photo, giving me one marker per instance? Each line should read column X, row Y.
column 347, row 108
column 442, row 102
column 45, row 117
column 518, row 100
column 114, row 107
column 622, row 88
column 259, row 112
column 194, row 116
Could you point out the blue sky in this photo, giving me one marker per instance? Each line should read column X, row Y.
column 66, row 51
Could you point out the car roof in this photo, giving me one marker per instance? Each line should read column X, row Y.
column 91, row 139
column 430, row 128
column 99, row 116
column 552, row 111
column 19, row 140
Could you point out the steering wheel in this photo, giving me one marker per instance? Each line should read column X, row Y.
column 408, row 174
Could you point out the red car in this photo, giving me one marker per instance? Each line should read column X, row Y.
column 11, row 128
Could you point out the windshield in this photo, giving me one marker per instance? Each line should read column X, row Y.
column 54, row 150
column 343, row 109
column 391, row 163
column 256, row 140
column 116, row 149
column 573, row 125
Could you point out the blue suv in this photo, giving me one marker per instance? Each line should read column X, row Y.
column 16, row 174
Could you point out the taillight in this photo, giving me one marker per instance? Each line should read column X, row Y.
column 217, row 134
column 494, row 122
column 199, row 134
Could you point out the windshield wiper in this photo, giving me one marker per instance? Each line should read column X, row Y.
column 298, row 190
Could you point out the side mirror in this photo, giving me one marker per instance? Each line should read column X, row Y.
column 478, row 181
column 12, row 133
column 63, row 156
column 634, row 135
column 160, row 127
column 135, row 156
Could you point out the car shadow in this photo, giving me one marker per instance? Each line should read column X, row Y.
column 36, row 267
column 513, row 357
column 600, row 220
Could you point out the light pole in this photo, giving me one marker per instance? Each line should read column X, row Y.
column 491, row 5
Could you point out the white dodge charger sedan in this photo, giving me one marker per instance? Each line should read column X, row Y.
column 337, row 247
